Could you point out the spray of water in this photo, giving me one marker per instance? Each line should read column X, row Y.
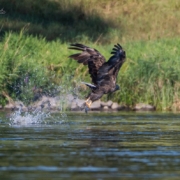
column 30, row 117
column 42, row 114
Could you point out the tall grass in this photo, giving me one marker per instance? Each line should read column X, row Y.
column 151, row 73
column 26, row 68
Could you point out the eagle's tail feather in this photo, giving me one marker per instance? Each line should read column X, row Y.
column 89, row 85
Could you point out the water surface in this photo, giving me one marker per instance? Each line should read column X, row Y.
column 102, row 146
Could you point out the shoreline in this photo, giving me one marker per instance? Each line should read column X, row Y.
column 69, row 103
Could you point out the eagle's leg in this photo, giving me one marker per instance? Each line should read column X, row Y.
column 88, row 102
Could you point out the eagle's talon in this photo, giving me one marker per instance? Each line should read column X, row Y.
column 86, row 109
column 88, row 103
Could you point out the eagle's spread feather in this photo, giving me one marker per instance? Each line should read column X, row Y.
column 103, row 74
column 90, row 57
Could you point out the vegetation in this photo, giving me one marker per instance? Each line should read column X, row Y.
column 34, row 41
column 151, row 74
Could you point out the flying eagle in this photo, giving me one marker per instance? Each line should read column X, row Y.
column 103, row 74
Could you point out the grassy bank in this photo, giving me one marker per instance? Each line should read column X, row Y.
column 30, row 65
column 152, row 73
column 34, row 55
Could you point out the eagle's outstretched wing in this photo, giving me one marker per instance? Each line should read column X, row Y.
column 107, row 73
column 90, row 57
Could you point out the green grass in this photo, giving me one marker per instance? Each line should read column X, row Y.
column 151, row 73
column 34, row 52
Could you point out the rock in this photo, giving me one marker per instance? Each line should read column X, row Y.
column 105, row 108
column 70, row 98
column 143, row 107
column 47, row 103
column 73, row 103
column 53, row 103
column 77, row 105
column 115, row 106
column 15, row 106
column 96, row 105
column 41, row 102
column 103, row 103
column 9, row 106
column 108, row 103
column 74, row 106
column 79, row 102
column 20, row 105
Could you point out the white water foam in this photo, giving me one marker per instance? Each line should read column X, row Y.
column 27, row 118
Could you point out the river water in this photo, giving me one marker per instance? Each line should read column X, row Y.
column 98, row 146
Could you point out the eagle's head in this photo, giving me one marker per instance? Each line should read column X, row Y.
column 117, row 87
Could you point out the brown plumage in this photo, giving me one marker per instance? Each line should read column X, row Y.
column 103, row 74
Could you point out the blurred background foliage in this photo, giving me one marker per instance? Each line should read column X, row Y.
column 100, row 21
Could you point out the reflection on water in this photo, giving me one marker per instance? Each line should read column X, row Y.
column 94, row 146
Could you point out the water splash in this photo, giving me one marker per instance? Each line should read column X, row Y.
column 28, row 118
column 60, row 98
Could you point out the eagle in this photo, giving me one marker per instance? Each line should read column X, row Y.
column 103, row 73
